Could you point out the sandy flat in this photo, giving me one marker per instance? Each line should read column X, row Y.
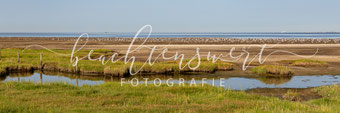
column 324, row 52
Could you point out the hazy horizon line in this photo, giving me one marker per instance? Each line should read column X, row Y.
column 182, row 32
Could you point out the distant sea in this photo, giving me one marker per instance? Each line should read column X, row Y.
column 177, row 35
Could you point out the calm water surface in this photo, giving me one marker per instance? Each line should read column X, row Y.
column 235, row 83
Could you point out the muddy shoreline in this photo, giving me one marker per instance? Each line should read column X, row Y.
column 328, row 50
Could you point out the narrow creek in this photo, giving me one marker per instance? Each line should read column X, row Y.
column 234, row 83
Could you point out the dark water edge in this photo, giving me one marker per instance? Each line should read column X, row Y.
column 183, row 35
column 233, row 83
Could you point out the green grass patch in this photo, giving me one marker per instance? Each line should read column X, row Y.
column 272, row 70
column 309, row 63
column 112, row 97
column 330, row 97
column 305, row 63
column 30, row 60
column 292, row 96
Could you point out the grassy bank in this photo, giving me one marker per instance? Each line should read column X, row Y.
column 111, row 97
column 30, row 60
column 272, row 70
column 309, row 63
column 305, row 63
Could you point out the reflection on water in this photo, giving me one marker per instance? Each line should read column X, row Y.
column 235, row 83
column 275, row 80
column 53, row 77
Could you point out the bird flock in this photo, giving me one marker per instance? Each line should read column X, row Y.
column 189, row 40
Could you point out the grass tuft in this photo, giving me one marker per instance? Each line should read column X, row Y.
column 292, row 95
column 272, row 70
column 309, row 63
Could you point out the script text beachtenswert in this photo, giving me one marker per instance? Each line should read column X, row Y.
column 128, row 58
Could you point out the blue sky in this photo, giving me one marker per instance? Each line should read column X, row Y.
column 170, row 15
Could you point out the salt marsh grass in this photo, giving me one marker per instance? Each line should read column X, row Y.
column 272, row 70
column 30, row 60
column 309, row 63
column 112, row 97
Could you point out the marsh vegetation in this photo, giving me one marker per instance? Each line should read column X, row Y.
column 272, row 70
column 112, row 97
column 30, row 60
